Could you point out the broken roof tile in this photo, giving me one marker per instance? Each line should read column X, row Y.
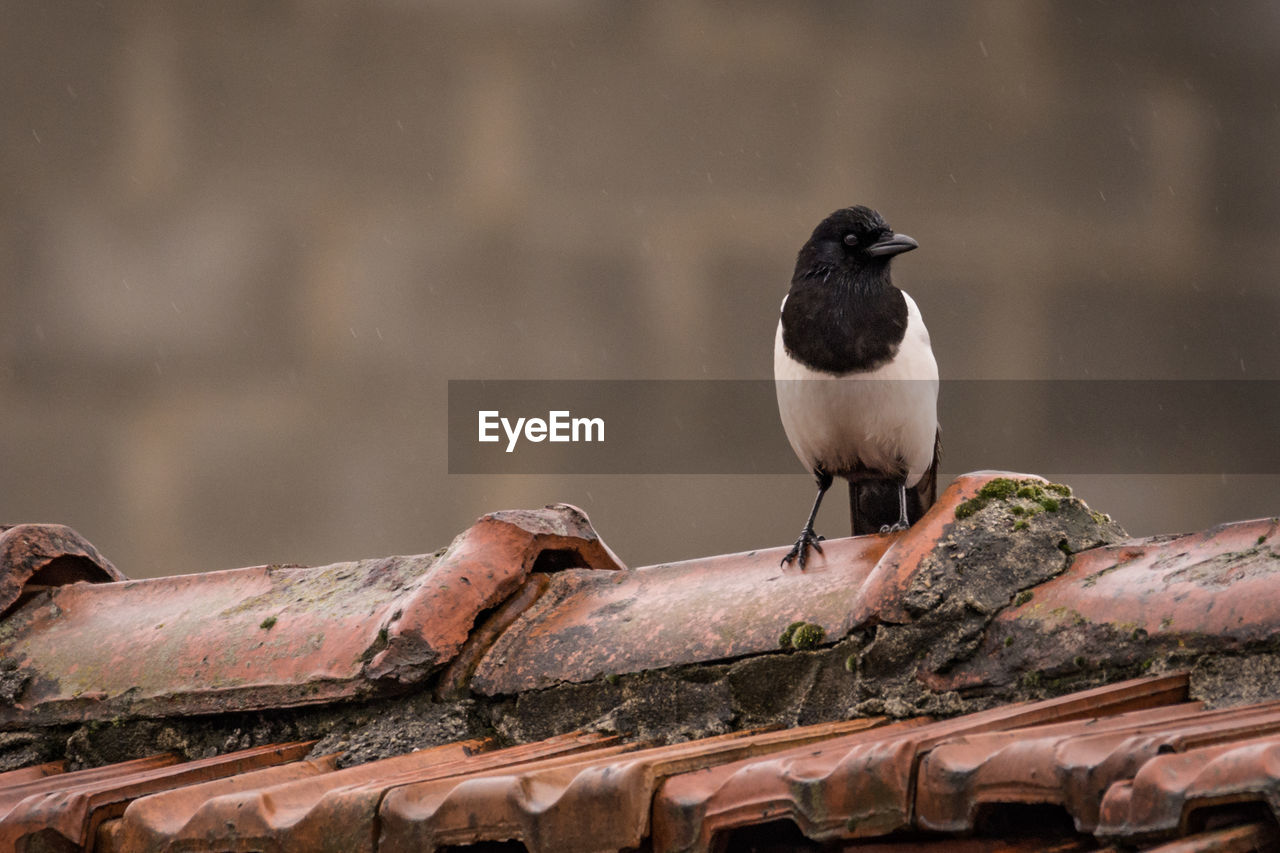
column 69, row 813
column 862, row 785
column 34, row 557
column 273, row 636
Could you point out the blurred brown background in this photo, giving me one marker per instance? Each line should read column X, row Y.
column 243, row 246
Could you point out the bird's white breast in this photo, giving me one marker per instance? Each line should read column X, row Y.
column 881, row 418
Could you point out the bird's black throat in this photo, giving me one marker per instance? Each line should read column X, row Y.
column 837, row 320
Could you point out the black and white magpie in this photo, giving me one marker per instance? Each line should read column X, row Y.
column 856, row 379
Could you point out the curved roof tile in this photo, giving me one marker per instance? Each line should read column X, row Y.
column 34, row 557
column 275, row 636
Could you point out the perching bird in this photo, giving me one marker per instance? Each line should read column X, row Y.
column 856, row 380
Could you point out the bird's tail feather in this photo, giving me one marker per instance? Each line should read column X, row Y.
column 873, row 503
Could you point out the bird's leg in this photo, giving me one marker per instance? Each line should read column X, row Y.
column 901, row 523
column 808, row 539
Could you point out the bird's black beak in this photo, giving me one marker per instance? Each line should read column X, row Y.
column 894, row 244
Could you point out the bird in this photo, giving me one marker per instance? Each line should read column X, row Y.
column 856, row 378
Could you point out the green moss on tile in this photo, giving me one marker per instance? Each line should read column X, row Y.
column 999, row 489
column 802, row 635
column 268, row 623
column 808, row 636
column 1043, row 496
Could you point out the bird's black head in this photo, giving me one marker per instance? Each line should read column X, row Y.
column 843, row 312
column 851, row 243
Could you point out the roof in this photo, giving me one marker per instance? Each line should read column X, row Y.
column 979, row 676
column 1131, row 763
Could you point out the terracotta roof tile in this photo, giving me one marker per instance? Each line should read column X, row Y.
column 18, row 788
column 272, row 636
column 592, row 793
column 150, row 822
column 558, row 805
column 1207, row 591
column 587, row 625
column 863, row 785
column 69, row 811
column 881, row 598
column 334, row 811
column 1173, row 793
column 28, row 774
column 1071, row 765
column 34, row 557
column 1249, row 838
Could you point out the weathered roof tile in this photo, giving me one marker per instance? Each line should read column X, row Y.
column 559, row 805
column 151, row 822
column 1211, row 591
column 587, row 625
column 336, row 811
column 68, row 809
column 1071, row 765
column 29, row 774
column 862, row 785
column 34, row 557
column 1171, row 794
column 274, row 636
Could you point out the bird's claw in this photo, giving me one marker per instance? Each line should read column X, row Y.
column 896, row 527
column 800, row 551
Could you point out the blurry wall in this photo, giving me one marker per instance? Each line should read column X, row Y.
column 243, row 246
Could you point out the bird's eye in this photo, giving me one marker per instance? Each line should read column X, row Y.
column 851, row 239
